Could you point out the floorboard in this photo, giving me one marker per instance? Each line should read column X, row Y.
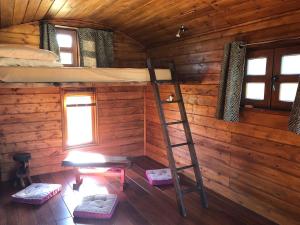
column 139, row 204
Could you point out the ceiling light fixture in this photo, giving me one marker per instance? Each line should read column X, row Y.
column 181, row 30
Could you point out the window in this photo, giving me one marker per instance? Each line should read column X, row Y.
column 271, row 78
column 80, row 118
column 68, row 46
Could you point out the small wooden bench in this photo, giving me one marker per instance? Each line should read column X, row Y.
column 115, row 165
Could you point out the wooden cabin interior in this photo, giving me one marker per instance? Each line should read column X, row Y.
column 249, row 161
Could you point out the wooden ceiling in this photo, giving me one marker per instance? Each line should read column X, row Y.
column 148, row 21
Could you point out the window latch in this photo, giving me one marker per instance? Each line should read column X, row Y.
column 274, row 79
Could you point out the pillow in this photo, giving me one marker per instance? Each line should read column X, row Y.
column 26, row 52
column 159, row 176
column 37, row 193
column 28, row 63
column 96, row 207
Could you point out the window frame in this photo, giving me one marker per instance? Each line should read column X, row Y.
column 291, row 78
column 272, row 79
column 266, row 53
column 80, row 92
column 74, row 50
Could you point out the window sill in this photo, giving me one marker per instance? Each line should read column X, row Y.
column 267, row 111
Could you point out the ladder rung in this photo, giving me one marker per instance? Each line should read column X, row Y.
column 164, row 81
column 176, row 122
column 184, row 167
column 169, row 102
column 190, row 190
column 181, row 144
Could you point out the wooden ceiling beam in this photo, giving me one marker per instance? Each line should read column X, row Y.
column 19, row 11
column 54, row 9
column 31, row 10
column 43, row 9
column 6, row 12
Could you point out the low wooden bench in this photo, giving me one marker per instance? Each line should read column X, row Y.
column 115, row 165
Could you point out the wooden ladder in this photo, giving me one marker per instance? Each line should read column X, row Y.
column 180, row 192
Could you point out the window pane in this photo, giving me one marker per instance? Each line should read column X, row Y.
column 79, row 120
column 256, row 66
column 66, row 58
column 64, row 40
column 287, row 92
column 255, row 91
column 290, row 64
column 78, row 100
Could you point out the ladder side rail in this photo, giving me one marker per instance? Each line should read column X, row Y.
column 172, row 165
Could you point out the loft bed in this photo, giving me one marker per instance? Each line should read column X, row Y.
column 24, row 66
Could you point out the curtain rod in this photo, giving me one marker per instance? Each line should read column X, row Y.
column 271, row 41
column 76, row 28
column 61, row 26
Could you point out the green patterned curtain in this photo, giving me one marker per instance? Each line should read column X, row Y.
column 96, row 47
column 294, row 122
column 231, row 82
column 48, row 37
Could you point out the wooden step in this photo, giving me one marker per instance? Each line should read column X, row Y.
column 176, row 122
column 185, row 167
column 180, row 144
column 164, row 81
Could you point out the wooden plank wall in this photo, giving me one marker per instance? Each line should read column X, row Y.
column 255, row 162
column 30, row 118
column 127, row 52
column 31, row 121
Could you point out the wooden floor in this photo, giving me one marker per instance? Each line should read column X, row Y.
column 139, row 203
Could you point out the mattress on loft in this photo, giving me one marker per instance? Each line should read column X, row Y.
column 78, row 74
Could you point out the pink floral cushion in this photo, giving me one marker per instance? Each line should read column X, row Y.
column 37, row 193
column 159, row 176
column 96, row 207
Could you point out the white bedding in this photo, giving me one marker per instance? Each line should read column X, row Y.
column 28, row 62
column 26, row 52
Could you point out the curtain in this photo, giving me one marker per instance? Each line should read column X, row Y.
column 231, row 82
column 48, row 38
column 294, row 121
column 96, row 47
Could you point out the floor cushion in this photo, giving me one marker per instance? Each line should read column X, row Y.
column 37, row 193
column 96, row 206
column 159, row 176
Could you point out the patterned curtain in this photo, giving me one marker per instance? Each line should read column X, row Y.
column 96, row 48
column 294, row 122
column 48, row 37
column 231, row 82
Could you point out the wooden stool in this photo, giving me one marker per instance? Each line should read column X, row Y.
column 23, row 170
